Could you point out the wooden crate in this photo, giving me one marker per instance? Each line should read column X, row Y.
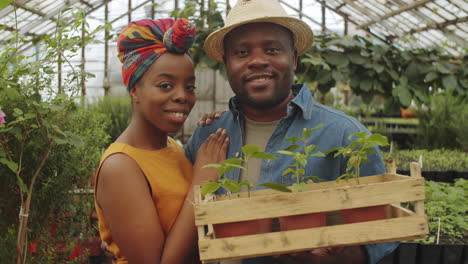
column 388, row 189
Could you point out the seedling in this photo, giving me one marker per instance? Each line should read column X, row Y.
column 297, row 169
column 357, row 152
column 231, row 186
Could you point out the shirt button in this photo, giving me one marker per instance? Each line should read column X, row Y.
column 237, row 154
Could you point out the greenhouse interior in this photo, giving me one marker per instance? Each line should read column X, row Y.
column 398, row 67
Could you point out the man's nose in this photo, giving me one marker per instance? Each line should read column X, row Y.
column 258, row 59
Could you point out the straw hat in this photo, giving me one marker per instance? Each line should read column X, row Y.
column 251, row 11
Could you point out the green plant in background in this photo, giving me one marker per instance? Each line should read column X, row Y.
column 433, row 160
column 357, row 152
column 297, row 169
column 443, row 124
column 248, row 152
column 449, row 204
column 207, row 20
column 372, row 69
column 117, row 109
column 41, row 142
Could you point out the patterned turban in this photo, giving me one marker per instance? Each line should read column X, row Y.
column 142, row 42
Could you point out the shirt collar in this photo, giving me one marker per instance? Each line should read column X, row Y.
column 303, row 100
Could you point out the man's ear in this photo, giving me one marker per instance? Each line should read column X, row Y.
column 295, row 59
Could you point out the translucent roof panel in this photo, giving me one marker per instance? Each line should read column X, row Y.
column 432, row 23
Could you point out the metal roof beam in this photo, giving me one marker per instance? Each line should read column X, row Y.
column 30, row 9
column 301, row 13
column 396, row 12
column 439, row 26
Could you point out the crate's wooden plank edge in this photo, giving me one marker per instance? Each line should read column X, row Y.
column 298, row 240
column 323, row 200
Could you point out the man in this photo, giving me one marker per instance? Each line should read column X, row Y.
column 260, row 46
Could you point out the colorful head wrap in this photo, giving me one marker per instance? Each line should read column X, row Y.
column 142, row 42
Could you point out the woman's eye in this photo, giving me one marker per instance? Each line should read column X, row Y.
column 165, row 86
column 191, row 88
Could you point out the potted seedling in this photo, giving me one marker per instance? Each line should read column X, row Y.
column 208, row 189
column 356, row 153
column 297, row 171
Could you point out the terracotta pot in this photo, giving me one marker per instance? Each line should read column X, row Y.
column 364, row 214
column 242, row 228
column 303, row 221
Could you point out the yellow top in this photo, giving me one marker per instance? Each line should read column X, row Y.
column 169, row 174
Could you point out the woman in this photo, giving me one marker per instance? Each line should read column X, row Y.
column 144, row 184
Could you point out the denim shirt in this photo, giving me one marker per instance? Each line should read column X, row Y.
column 302, row 112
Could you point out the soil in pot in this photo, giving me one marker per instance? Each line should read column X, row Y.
column 242, row 228
column 364, row 214
column 303, row 221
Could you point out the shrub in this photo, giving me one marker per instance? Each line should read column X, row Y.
column 443, row 125
column 48, row 147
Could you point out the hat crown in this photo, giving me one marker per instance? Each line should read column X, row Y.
column 246, row 10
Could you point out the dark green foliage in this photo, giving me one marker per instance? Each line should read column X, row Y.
column 117, row 111
column 433, row 160
column 49, row 146
column 449, row 203
column 445, row 123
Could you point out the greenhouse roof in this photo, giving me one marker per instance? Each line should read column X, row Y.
column 405, row 23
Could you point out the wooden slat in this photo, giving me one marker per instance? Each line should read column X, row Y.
column 283, row 204
column 415, row 170
column 298, row 240
column 197, row 198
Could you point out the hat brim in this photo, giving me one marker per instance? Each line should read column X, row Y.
column 303, row 35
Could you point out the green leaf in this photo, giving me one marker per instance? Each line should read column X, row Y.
column 250, row 149
column 10, row 164
column 286, row 152
column 333, row 150
column 449, row 82
column 213, row 166
column 356, row 58
column 210, row 187
column 430, row 76
column 403, row 94
column 233, row 161
column 17, row 112
column 337, row 59
column 310, row 148
column 245, row 183
column 291, row 148
column 263, row 155
column 275, row 186
column 292, row 140
column 75, row 140
column 366, row 85
column 231, row 185
column 4, row 3
column 286, row 171
column 318, row 154
column 59, row 141
column 21, row 184
column 378, row 139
